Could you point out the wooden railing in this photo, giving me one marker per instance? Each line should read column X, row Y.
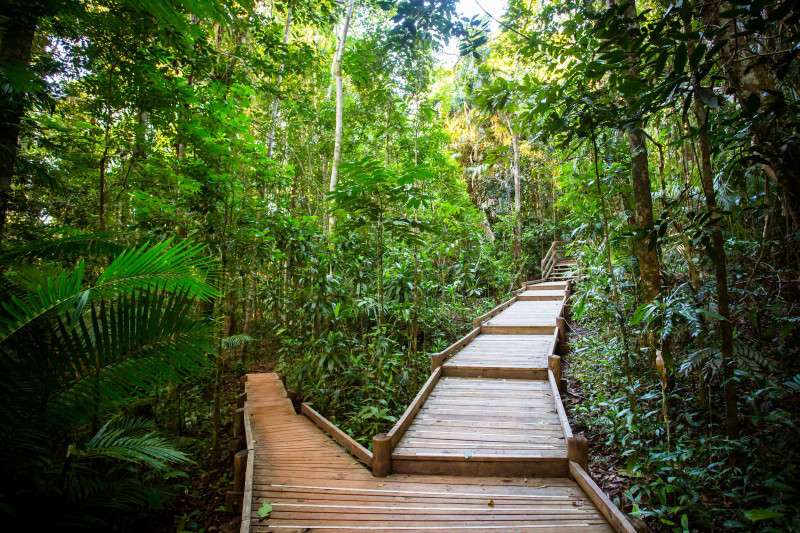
column 384, row 443
column 439, row 358
column 551, row 258
column 345, row 441
column 243, row 460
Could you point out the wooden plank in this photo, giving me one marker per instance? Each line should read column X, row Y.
column 438, row 359
column 603, row 503
column 506, row 372
column 541, row 285
column 542, row 295
column 562, row 415
column 396, row 433
column 486, row 466
column 476, row 322
column 345, row 440
column 247, row 498
column 517, row 329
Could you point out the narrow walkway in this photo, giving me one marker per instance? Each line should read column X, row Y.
column 484, row 446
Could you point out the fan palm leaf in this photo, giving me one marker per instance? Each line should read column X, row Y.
column 128, row 347
column 181, row 266
column 65, row 242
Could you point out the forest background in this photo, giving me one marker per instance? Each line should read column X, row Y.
column 193, row 190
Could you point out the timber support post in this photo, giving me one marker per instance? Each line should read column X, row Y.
column 238, row 422
column 381, row 455
column 563, row 339
column 554, row 364
column 568, row 306
column 235, row 498
column 578, row 451
column 238, row 441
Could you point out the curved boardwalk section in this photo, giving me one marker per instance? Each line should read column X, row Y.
column 315, row 485
column 484, row 446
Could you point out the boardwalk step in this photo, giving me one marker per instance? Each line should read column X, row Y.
column 485, row 445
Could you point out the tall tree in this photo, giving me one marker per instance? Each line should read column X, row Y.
column 18, row 21
column 337, row 142
column 640, row 168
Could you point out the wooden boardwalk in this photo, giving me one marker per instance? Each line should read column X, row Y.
column 484, row 446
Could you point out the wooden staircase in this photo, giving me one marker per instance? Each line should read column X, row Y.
column 485, row 445
column 556, row 266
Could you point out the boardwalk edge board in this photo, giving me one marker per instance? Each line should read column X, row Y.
column 488, row 420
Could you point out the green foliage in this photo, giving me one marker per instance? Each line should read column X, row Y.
column 71, row 353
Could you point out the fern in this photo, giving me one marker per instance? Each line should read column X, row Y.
column 113, row 469
column 135, row 440
column 235, row 341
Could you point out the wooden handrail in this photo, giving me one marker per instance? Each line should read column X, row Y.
column 438, row 359
column 547, row 255
column 345, row 441
column 550, row 258
column 562, row 415
column 399, row 429
column 247, row 498
column 476, row 322
column 615, row 517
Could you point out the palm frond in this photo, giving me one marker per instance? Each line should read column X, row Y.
column 65, row 243
column 128, row 347
column 98, row 475
column 135, row 440
column 179, row 267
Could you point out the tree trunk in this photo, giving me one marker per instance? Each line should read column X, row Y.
column 643, row 214
column 337, row 146
column 275, row 100
column 640, row 174
column 517, row 194
column 720, row 273
column 749, row 75
column 15, row 52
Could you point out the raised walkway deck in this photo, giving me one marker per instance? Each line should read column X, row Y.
column 484, row 446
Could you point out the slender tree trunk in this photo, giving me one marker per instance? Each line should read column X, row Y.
column 643, row 214
column 15, row 51
column 649, row 273
column 337, row 146
column 388, row 125
column 217, row 393
column 251, row 292
column 517, row 193
column 275, row 100
column 415, row 312
column 720, row 273
column 626, row 362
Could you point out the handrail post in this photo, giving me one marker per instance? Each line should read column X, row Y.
column 578, row 451
column 561, row 347
column 554, row 364
column 381, row 455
